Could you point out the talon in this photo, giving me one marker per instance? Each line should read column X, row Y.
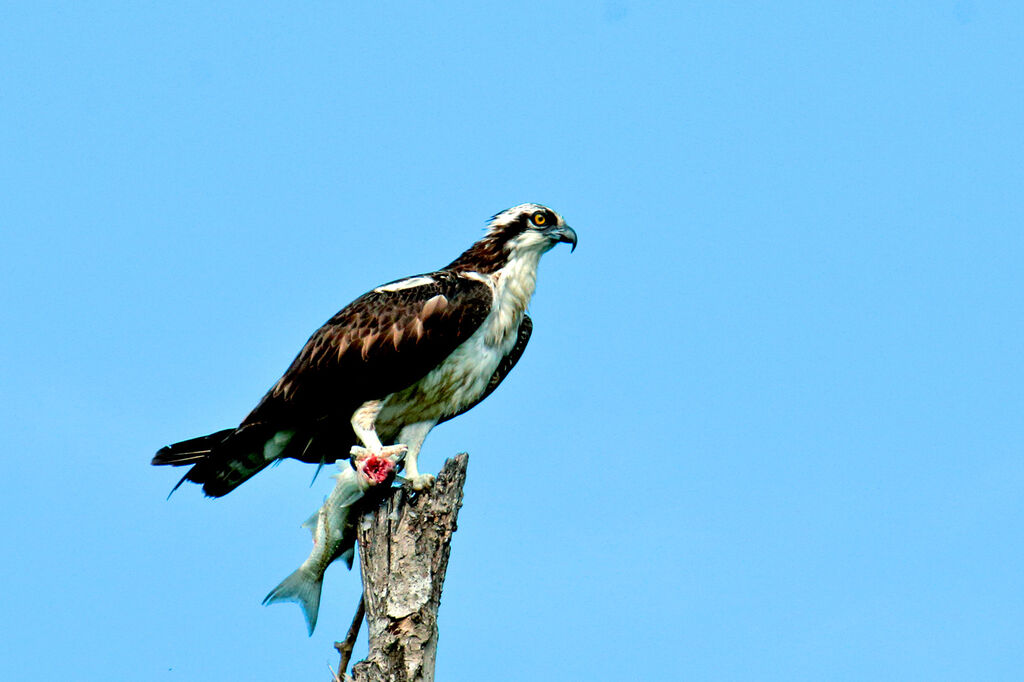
column 394, row 453
column 377, row 465
column 422, row 481
column 358, row 453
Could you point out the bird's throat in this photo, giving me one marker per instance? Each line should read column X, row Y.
column 514, row 285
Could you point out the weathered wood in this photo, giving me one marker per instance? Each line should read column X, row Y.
column 403, row 553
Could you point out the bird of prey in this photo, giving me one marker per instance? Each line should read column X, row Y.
column 391, row 365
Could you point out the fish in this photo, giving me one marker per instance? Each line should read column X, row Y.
column 334, row 531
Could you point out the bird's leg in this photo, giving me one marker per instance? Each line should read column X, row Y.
column 363, row 424
column 419, row 481
column 413, row 436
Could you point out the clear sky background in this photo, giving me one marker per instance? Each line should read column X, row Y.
column 769, row 424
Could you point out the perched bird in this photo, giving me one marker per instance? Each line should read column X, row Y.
column 393, row 364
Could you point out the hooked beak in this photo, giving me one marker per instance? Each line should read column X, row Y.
column 563, row 233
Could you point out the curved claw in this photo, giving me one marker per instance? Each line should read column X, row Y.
column 395, row 453
column 422, row 481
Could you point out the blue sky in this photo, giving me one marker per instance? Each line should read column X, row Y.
column 769, row 423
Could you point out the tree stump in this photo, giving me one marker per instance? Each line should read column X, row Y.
column 404, row 544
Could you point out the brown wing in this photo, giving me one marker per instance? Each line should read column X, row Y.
column 384, row 341
column 380, row 343
column 505, row 366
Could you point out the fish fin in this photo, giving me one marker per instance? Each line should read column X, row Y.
column 348, row 489
column 349, row 497
column 302, row 587
column 311, row 522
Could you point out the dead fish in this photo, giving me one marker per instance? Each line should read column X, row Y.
column 334, row 533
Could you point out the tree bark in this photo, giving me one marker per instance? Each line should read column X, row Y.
column 403, row 554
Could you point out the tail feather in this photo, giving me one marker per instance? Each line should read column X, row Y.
column 224, row 460
column 191, row 450
column 303, row 586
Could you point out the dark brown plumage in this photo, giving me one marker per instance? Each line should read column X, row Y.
column 383, row 346
column 380, row 343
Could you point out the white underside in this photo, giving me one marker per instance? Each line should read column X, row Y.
column 408, row 416
column 454, row 385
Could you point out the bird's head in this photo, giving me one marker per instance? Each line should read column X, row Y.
column 522, row 233
column 530, row 228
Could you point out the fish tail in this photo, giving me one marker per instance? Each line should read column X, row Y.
column 303, row 586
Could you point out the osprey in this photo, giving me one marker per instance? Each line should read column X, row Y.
column 393, row 364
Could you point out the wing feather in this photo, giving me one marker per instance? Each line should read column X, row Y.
column 384, row 341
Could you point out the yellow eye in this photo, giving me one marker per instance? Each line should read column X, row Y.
column 539, row 219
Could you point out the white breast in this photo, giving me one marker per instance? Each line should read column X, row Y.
column 462, row 378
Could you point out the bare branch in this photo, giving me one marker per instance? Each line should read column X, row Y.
column 345, row 648
column 404, row 545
